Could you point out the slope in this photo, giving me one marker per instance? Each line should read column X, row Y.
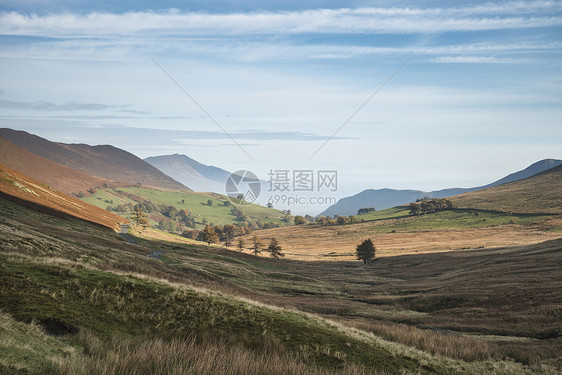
column 124, row 312
column 541, row 193
column 198, row 176
column 23, row 190
column 387, row 198
column 102, row 161
column 53, row 174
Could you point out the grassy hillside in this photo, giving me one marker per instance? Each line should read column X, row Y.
column 17, row 187
column 118, row 309
column 196, row 203
column 541, row 193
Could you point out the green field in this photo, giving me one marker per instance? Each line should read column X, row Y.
column 196, row 203
column 398, row 219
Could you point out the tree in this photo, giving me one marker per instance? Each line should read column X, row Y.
column 269, row 205
column 256, row 245
column 299, row 220
column 139, row 217
column 275, row 249
column 209, row 202
column 209, row 235
column 240, row 244
column 365, row 210
column 366, row 251
column 227, row 242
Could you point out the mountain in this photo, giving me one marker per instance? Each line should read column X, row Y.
column 104, row 161
column 198, row 176
column 386, row 198
column 540, row 193
column 30, row 193
column 62, row 178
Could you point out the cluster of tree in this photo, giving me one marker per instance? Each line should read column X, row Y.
column 245, row 220
column 365, row 210
column 336, row 220
column 256, row 247
column 429, row 205
column 224, row 233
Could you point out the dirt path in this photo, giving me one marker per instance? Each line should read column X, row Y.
column 123, row 233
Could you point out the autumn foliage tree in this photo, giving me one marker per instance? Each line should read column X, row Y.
column 256, row 245
column 209, row 235
column 140, row 218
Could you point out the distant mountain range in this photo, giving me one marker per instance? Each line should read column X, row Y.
column 197, row 176
column 105, row 162
column 386, row 198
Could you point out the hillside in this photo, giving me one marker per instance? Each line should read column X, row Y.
column 219, row 212
column 58, row 176
column 77, row 299
column 387, row 198
column 23, row 190
column 541, row 193
column 197, row 176
column 105, row 161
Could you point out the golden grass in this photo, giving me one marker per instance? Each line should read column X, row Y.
column 337, row 243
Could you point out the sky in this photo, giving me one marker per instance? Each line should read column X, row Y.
column 408, row 95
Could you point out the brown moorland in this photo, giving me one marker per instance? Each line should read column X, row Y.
column 104, row 161
column 60, row 177
column 19, row 188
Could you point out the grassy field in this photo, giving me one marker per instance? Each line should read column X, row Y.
column 394, row 232
column 541, row 193
column 196, row 203
column 85, row 301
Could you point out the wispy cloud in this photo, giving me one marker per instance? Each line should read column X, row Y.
column 479, row 60
column 510, row 15
column 71, row 106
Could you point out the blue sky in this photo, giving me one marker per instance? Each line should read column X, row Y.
column 480, row 97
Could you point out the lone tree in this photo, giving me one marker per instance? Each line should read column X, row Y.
column 365, row 251
column 227, row 242
column 256, row 246
column 139, row 217
column 275, row 249
column 209, row 235
column 240, row 244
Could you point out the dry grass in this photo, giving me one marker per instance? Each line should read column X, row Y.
column 337, row 243
column 539, row 193
column 197, row 355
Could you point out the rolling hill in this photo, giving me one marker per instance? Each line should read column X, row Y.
column 197, row 176
column 28, row 192
column 541, row 193
column 105, row 161
column 387, row 198
column 78, row 299
column 62, row 178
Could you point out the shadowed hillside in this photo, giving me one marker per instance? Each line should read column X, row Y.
column 102, row 161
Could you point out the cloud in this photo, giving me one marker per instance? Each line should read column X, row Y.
column 479, row 60
column 511, row 15
column 71, row 106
